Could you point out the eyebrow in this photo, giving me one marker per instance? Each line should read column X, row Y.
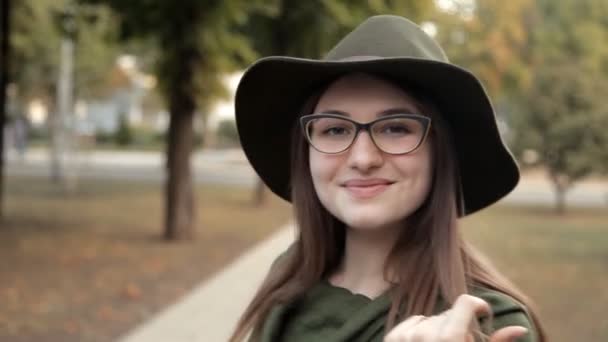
column 399, row 110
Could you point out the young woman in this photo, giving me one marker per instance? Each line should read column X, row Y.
column 380, row 147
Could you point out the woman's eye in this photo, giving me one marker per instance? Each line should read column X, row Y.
column 395, row 129
column 335, row 131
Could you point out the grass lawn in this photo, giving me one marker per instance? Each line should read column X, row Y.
column 561, row 262
column 90, row 266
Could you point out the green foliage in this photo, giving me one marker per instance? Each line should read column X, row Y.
column 493, row 44
column 563, row 112
column 206, row 39
column 35, row 48
column 36, row 37
column 147, row 138
column 96, row 51
column 123, row 135
column 310, row 28
column 565, row 122
column 227, row 133
column 545, row 68
column 103, row 137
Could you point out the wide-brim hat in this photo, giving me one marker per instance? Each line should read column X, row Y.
column 272, row 91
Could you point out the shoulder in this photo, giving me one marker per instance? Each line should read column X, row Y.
column 500, row 302
column 507, row 311
column 283, row 256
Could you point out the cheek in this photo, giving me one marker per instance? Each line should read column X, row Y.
column 323, row 169
column 418, row 175
column 425, row 175
column 320, row 167
column 316, row 172
column 315, row 167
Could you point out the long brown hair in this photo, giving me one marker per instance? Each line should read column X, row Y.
column 431, row 253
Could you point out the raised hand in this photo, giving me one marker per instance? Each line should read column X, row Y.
column 453, row 325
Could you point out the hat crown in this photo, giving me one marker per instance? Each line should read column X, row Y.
column 387, row 36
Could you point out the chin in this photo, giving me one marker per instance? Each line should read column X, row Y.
column 368, row 223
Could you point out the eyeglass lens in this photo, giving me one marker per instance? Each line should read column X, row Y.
column 392, row 135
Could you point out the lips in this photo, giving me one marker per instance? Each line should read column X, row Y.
column 366, row 188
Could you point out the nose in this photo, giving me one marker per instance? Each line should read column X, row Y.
column 363, row 154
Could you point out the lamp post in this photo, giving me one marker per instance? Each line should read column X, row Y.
column 61, row 121
column 5, row 6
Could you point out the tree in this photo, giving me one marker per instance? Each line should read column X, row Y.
column 564, row 123
column 564, row 115
column 124, row 134
column 541, row 63
column 40, row 28
column 227, row 133
column 36, row 39
column 5, row 10
column 309, row 29
column 35, row 55
column 198, row 42
column 493, row 42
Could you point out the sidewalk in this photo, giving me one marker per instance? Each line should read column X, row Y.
column 229, row 167
column 127, row 158
column 209, row 312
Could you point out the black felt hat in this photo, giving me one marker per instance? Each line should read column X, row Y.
column 273, row 89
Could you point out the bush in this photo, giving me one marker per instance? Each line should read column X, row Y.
column 227, row 133
column 103, row 137
column 124, row 133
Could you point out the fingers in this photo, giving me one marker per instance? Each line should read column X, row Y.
column 459, row 318
column 452, row 325
column 399, row 331
column 412, row 321
column 508, row 334
column 419, row 328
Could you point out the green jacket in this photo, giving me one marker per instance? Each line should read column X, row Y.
column 333, row 314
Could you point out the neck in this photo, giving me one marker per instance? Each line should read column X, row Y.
column 362, row 267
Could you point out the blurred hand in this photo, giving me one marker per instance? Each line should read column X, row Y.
column 452, row 325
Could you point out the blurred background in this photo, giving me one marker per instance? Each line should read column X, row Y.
column 123, row 186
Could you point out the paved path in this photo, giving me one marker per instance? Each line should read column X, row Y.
column 210, row 311
column 537, row 190
column 211, row 166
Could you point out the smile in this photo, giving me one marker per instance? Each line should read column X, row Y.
column 366, row 188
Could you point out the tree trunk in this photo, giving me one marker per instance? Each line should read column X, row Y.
column 208, row 135
column 259, row 195
column 179, row 224
column 4, row 68
column 560, row 201
column 561, row 184
column 180, row 203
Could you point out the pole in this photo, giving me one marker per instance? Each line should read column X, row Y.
column 5, row 7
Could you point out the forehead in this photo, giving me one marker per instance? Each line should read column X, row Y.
column 363, row 92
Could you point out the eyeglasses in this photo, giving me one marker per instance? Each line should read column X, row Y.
column 393, row 134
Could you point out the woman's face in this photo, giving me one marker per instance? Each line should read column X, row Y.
column 364, row 187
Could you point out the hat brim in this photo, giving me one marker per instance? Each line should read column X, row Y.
column 273, row 89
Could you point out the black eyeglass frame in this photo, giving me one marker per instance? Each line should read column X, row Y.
column 424, row 120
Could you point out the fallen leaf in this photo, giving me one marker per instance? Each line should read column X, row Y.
column 132, row 291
